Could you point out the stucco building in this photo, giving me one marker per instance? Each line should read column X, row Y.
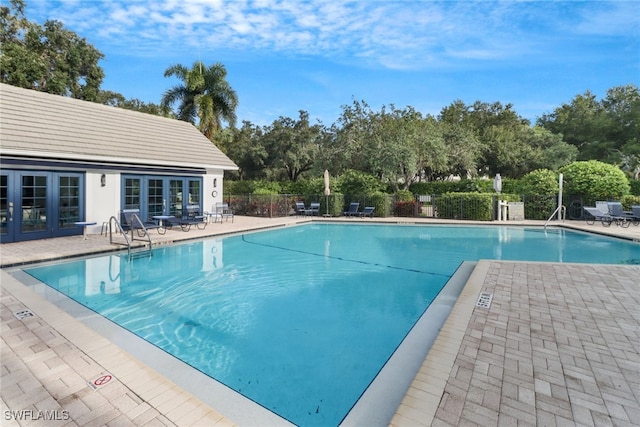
column 64, row 160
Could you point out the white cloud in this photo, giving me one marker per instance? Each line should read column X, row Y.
column 397, row 35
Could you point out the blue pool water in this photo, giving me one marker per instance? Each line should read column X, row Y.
column 301, row 319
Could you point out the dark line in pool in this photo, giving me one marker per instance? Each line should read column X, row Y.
column 344, row 259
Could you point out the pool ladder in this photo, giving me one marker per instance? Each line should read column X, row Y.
column 563, row 213
column 141, row 231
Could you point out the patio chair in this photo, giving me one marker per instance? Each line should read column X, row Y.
column 223, row 211
column 353, row 209
column 367, row 211
column 300, row 208
column 314, row 209
column 130, row 220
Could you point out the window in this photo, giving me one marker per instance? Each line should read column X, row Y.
column 34, row 203
column 131, row 193
column 194, row 192
column 68, row 201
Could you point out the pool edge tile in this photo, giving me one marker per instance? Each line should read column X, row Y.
column 440, row 358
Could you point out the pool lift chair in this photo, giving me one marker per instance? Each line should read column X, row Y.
column 353, row 209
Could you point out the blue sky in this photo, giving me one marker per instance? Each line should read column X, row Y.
column 286, row 56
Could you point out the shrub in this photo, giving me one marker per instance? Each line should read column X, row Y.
column 541, row 181
column 336, row 204
column 405, row 196
column 267, row 187
column 475, row 206
column 436, row 187
column 594, row 180
column 381, row 201
column 540, row 206
column 238, row 187
column 628, row 201
column 263, row 191
column 356, row 182
column 405, row 208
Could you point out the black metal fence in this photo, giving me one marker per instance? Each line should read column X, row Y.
column 464, row 206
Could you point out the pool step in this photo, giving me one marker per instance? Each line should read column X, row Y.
column 140, row 252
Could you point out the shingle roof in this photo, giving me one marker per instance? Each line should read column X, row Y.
column 51, row 126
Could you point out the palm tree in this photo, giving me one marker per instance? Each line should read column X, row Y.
column 205, row 95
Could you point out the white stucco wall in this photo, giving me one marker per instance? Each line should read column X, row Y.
column 212, row 184
column 101, row 202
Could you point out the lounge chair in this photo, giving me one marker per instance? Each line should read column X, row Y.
column 130, row 220
column 193, row 217
column 620, row 216
column 367, row 211
column 602, row 207
column 314, row 209
column 300, row 208
column 353, row 209
column 615, row 209
column 605, row 218
column 635, row 214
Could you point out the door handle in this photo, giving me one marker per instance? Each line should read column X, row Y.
column 10, row 211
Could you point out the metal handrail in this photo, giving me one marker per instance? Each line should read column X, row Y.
column 114, row 220
column 563, row 215
column 140, row 226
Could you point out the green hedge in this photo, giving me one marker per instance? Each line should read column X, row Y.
column 540, row 207
column 474, row 206
column 462, row 186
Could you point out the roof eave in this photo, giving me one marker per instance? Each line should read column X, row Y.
column 111, row 159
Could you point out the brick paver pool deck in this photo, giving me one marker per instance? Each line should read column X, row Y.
column 558, row 345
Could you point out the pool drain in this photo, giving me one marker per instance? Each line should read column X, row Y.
column 484, row 300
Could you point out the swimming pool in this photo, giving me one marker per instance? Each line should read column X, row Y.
column 301, row 319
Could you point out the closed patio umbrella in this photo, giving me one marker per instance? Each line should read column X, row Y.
column 327, row 190
column 497, row 183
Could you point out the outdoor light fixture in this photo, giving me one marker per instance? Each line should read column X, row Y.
column 215, row 182
column 103, row 180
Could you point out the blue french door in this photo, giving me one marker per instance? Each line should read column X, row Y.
column 160, row 195
column 37, row 205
